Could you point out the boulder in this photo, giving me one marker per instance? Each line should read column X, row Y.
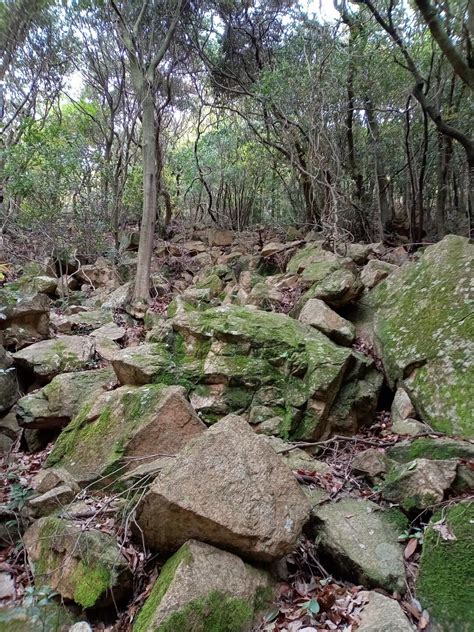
column 382, row 614
column 359, row 253
column 54, row 405
column 444, row 582
column 110, row 331
column 419, row 484
column 402, row 408
column 9, row 431
column 44, row 285
column 48, row 358
column 437, row 448
column 44, row 614
column 101, row 274
column 83, row 321
column 129, row 240
column 227, row 488
column 8, row 382
column 23, row 320
column 372, row 463
column 143, row 364
column 66, row 284
column 361, row 541
column 202, row 588
column 255, row 350
column 122, row 429
column 52, row 500
column 317, row 314
column 219, row 237
column 83, row 565
column 375, row 271
column 424, row 333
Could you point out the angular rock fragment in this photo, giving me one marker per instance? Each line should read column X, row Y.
column 317, row 314
column 202, row 588
column 362, row 542
column 376, row 271
column 227, row 488
column 48, row 358
column 382, row 614
column 54, row 405
column 83, row 565
column 123, row 429
column 23, row 320
column 8, row 382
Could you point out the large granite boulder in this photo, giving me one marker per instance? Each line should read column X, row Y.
column 201, row 588
column 83, row 565
column 362, row 542
column 289, row 366
column 54, row 405
column 123, row 429
column 48, row 358
column 228, row 488
column 444, row 583
column 424, row 331
column 23, row 319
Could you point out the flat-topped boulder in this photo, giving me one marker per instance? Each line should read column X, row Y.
column 227, row 488
column 48, row 358
column 123, row 429
column 202, row 588
column 54, row 405
column 424, row 332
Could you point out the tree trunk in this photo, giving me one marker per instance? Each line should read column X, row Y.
column 147, row 229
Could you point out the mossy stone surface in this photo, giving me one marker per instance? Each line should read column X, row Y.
column 445, row 584
column 203, row 589
column 424, row 329
column 439, row 448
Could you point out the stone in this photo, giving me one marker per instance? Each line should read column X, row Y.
column 83, row 321
column 101, row 274
column 9, row 392
column 313, row 256
column 419, row 484
column 382, row 614
column 105, row 348
column 47, row 479
column 409, row 427
column 124, row 428
column 83, row 565
column 9, row 431
column 52, row 500
column 424, row 332
column 142, row 364
column 227, row 488
column 220, row 237
column 201, row 588
column 317, row 314
column 80, row 626
column 341, row 287
column 48, row 358
column 375, row 271
column 397, row 256
column 356, row 402
column 444, row 582
column 111, row 331
column 47, row 615
column 272, row 248
column 118, row 298
column 253, row 349
column 23, row 320
column 362, row 542
column 296, row 458
column 359, row 253
column 54, row 405
column 7, row 586
column 44, row 285
column 65, row 285
column 402, row 408
column 437, row 448
column 129, row 240
column 372, row 463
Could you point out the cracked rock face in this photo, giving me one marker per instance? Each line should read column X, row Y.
column 227, row 488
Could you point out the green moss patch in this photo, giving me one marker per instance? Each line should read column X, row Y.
column 445, row 584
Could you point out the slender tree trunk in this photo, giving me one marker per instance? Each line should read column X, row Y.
column 147, row 229
column 384, row 213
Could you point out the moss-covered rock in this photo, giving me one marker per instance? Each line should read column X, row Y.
column 9, row 392
column 425, row 333
column 48, row 358
column 255, row 349
column 49, row 616
column 84, row 565
column 204, row 589
column 54, row 405
column 434, row 448
column 131, row 421
column 445, row 581
column 25, row 318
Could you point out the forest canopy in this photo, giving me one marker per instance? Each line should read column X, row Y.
column 234, row 113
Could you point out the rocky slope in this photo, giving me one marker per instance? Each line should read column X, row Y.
column 284, row 442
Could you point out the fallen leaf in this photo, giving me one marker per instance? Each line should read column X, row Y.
column 410, row 548
column 444, row 530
